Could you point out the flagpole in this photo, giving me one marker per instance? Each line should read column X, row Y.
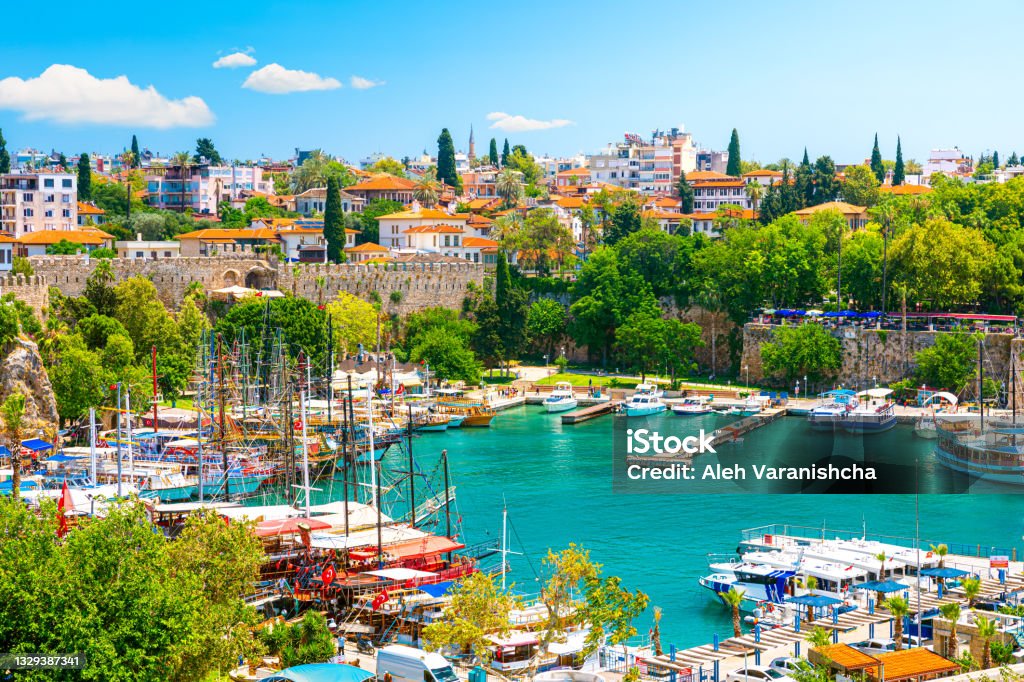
column 92, row 443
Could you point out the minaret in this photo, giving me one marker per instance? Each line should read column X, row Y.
column 472, row 145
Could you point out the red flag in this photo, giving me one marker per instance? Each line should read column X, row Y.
column 64, row 504
column 380, row 599
column 328, row 575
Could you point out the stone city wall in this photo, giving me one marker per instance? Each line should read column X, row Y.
column 33, row 290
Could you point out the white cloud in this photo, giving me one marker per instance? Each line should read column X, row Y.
column 521, row 124
column 68, row 94
column 234, row 61
column 360, row 83
column 274, row 79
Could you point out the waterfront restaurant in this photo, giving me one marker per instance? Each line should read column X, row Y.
column 894, row 666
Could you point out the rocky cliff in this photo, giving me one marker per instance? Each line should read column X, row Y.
column 22, row 371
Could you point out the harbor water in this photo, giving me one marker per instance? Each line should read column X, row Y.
column 557, row 483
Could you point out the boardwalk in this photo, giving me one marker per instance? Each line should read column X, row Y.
column 736, row 430
column 587, row 413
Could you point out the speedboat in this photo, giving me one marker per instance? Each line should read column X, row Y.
column 753, row 405
column 830, row 410
column 693, row 406
column 869, row 417
column 645, row 401
column 561, row 399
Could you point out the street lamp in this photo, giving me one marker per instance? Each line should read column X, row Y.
column 805, row 385
column 746, row 368
column 797, row 388
column 875, row 379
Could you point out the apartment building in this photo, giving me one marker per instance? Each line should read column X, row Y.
column 202, row 188
column 645, row 166
column 712, row 189
column 33, row 202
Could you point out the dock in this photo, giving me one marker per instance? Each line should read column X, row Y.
column 587, row 413
column 734, row 431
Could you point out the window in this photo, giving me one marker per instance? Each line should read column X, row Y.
column 66, row 213
column 48, row 213
column 167, row 254
column 49, row 198
column 27, row 196
column 66, row 183
column 28, row 213
column 48, row 182
column 140, row 254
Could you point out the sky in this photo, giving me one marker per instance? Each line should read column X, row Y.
column 354, row 78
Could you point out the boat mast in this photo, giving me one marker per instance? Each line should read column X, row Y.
column 380, row 530
column 199, row 434
column 330, row 368
column 504, row 542
column 346, row 422
column 372, row 448
column 92, row 443
column 981, row 383
column 447, row 506
column 156, row 422
column 412, row 476
column 305, row 449
column 128, row 419
column 119, row 439
column 221, row 409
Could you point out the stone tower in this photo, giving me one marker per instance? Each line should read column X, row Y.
column 472, row 144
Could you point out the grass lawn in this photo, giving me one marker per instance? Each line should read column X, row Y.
column 183, row 403
column 498, row 378
column 587, row 380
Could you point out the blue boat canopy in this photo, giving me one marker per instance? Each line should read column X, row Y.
column 4, row 452
column 61, row 457
column 815, row 600
column 36, row 445
column 437, row 589
column 321, row 672
column 944, row 572
column 884, row 586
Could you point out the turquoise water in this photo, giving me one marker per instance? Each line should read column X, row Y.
column 557, row 483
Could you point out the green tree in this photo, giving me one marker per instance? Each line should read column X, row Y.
column 951, row 612
column 876, row 162
column 733, row 600
column 206, row 150
column 334, row 224
column 308, row 641
column 477, row 609
column 354, row 322
column 509, row 186
column 681, row 339
column 685, row 193
column 941, row 263
column 301, row 322
column 368, row 218
column 899, row 172
column 505, row 153
column 84, row 178
column 988, row 629
column 805, row 350
column 950, row 363
column 626, row 219
column 446, row 172
column 136, row 155
column 21, row 265
column 427, row 189
column 12, row 410
column 804, row 182
column 544, row 237
column 972, row 588
column 388, row 165
column 640, row 342
column 545, row 324
column 826, row 185
column 5, row 156
column 64, row 248
column 860, row 187
column 899, row 609
column 995, row 160
column 449, row 357
column 734, row 166
column 512, row 304
column 492, row 153
column 654, row 255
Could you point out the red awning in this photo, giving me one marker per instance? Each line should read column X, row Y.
column 285, row 526
column 432, row 545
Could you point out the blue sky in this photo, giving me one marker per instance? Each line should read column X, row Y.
column 786, row 74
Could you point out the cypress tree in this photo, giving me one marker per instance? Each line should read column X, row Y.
column 63, row 162
column 898, row 171
column 804, row 186
column 492, row 154
column 446, row 159
column 505, row 153
column 5, row 157
column 995, row 160
column 502, row 280
column 135, row 152
column 788, row 201
column 826, row 186
column 685, row 194
column 734, row 155
column 1013, row 160
column 334, row 224
column 84, row 178
column 876, row 162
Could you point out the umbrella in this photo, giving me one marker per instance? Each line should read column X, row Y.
column 945, row 572
column 321, row 672
column 883, row 586
column 815, row 600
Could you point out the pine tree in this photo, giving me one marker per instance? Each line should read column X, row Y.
column 876, row 162
column 826, row 186
column 84, row 178
column 733, row 168
column 492, row 154
column 446, row 159
column 136, row 159
column 63, row 161
column 685, row 194
column 1013, row 160
column 505, row 153
column 804, row 185
column 788, row 200
column 5, row 157
column 334, row 223
column 995, row 160
column 898, row 171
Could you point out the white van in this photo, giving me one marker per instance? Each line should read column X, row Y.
column 397, row 663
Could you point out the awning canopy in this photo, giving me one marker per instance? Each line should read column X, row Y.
column 943, row 395
column 61, row 457
column 884, row 586
column 816, row 600
column 431, row 545
column 876, row 392
column 437, row 589
column 944, row 572
column 400, row 573
column 36, row 445
column 321, row 672
column 286, row 526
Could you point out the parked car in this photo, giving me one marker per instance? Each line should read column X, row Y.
column 786, row 665
column 757, row 673
column 876, row 645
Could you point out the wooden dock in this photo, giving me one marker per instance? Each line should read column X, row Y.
column 734, row 431
column 579, row 416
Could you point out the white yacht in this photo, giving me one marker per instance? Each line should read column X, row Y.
column 872, row 412
column 831, row 409
column 561, row 399
column 692, row 406
column 645, row 401
column 755, row 404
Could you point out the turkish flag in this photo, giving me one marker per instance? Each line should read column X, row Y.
column 380, row 599
column 64, row 504
column 328, row 575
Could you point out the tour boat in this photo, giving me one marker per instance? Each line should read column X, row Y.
column 645, row 401
column 990, row 451
column 433, row 422
column 561, row 399
column 695, row 405
column 830, row 410
column 925, row 426
column 755, row 404
column 865, row 416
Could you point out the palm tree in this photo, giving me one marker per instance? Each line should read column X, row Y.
column 311, row 173
column 940, row 551
column 509, row 187
column 13, row 412
column 879, row 597
column 508, row 231
column 951, row 612
column 812, row 585
column 987, row 630
column 885, row 214
column 755, row 192
column 710, row 300
column 656, row 631
column 733, row 598
column 427, row 189
column 819, row 637
column 972, row 587
column 183, row 160
column 899, row 608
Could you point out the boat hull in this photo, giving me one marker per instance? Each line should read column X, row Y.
column 442, row 426
column 691, row 412
column 561, row 405
column 478, row 420
column 176, row 494
column 1010, row 475
column 851, row 425
column 643, row 411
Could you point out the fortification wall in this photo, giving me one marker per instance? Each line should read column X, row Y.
column 33, row 290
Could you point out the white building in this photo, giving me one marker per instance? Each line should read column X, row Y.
column 6, row 253
column 32, row 202
column 645, row 166
column 203, row 188
column 394, row 227
column 711, row 190
column 314, row 200
column 141, row 249
column 947, row 162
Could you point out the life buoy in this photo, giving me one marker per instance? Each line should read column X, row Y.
column 771, row 607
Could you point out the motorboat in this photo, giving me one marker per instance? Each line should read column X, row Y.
column 561, row 399
column 695, row 405
column 755, row 404
column 644, row 402
column 830, row 410
column 870, row 412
